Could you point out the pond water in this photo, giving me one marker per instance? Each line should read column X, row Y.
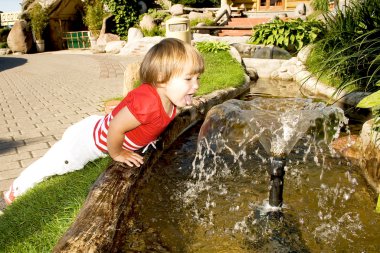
column 207, row 201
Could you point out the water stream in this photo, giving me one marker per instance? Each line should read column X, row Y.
column 213, row 196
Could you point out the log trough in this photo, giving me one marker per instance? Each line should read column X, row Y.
column 99, row 225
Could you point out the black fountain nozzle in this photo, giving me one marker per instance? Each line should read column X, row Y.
column 276, row 172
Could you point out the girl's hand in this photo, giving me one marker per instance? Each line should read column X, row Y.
column 130, row 158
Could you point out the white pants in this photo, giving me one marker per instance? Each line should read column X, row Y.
column 72, row 152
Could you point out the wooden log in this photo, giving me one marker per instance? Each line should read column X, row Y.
column 99, row 225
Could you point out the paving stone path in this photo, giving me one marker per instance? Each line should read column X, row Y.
column 42, row 94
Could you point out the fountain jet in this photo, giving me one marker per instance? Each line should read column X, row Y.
column 277, row 173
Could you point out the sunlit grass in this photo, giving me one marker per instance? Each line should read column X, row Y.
column 221, row 71
column 35, row 221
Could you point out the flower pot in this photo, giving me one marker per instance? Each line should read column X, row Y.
column 40, row 45
column 93, row 42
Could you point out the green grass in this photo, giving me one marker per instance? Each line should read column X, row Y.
column 221, row 71
column 36, row 221
column 326, row 76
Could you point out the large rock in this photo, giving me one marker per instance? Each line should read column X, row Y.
column 271, row 52
column 363, row 150
column 263, row 67
column 114, row 47
column 300, row 9
column 147, row 23
column 131, row 76
column 20, row 38
column 370, row 155
column 134, row 34
column 201, row 15
column 246, row 50
column 107, row 37
column 304, row 53
column 176, row 10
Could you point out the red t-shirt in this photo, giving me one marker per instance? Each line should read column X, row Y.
column 145, row 104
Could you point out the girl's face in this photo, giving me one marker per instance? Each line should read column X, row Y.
column 180, row 89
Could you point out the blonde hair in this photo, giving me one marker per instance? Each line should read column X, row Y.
column 170, row 58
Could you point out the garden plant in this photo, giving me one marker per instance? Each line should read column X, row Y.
column 126, row 15
column 94, row 14
column 291, row 35
column 39, row 20
column 348, row 56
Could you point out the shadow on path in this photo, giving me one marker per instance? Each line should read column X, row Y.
column 6, row 145
column 10, row 62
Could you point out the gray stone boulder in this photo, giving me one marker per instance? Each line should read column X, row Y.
column 288, row 70
column 114, row 47
column 236, row 55
column 131, row 76
column 134, row 34
column 300, row 9
column 252, row 73
column 263, row 67
column 370, row 155
column 304, row 53
column 200, row 15
column 176, row 10
column 107, row 37
column 147, row 23
column 20, row 38
column 246, row 50
column 271, row 52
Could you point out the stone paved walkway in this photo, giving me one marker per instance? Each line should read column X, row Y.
column 42, row 94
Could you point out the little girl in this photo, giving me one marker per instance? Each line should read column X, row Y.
column 169, row 74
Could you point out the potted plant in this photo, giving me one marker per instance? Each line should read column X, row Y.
column 93, row 19
column 39, row 20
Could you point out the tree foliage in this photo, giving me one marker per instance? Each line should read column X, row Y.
column 94, row 14
column 126, row 14
column 39, row 20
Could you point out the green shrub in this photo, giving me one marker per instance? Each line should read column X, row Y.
column 212, row 46
column 3, row 45
column 39, row 20
column 94, row 14
column 320, row 5
column 155, row 31
column 206, row 21
column 350, row 50
column 156, row 14
column 4, row 34
column 126, row 15
column 158, row 17
column 290, row 35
